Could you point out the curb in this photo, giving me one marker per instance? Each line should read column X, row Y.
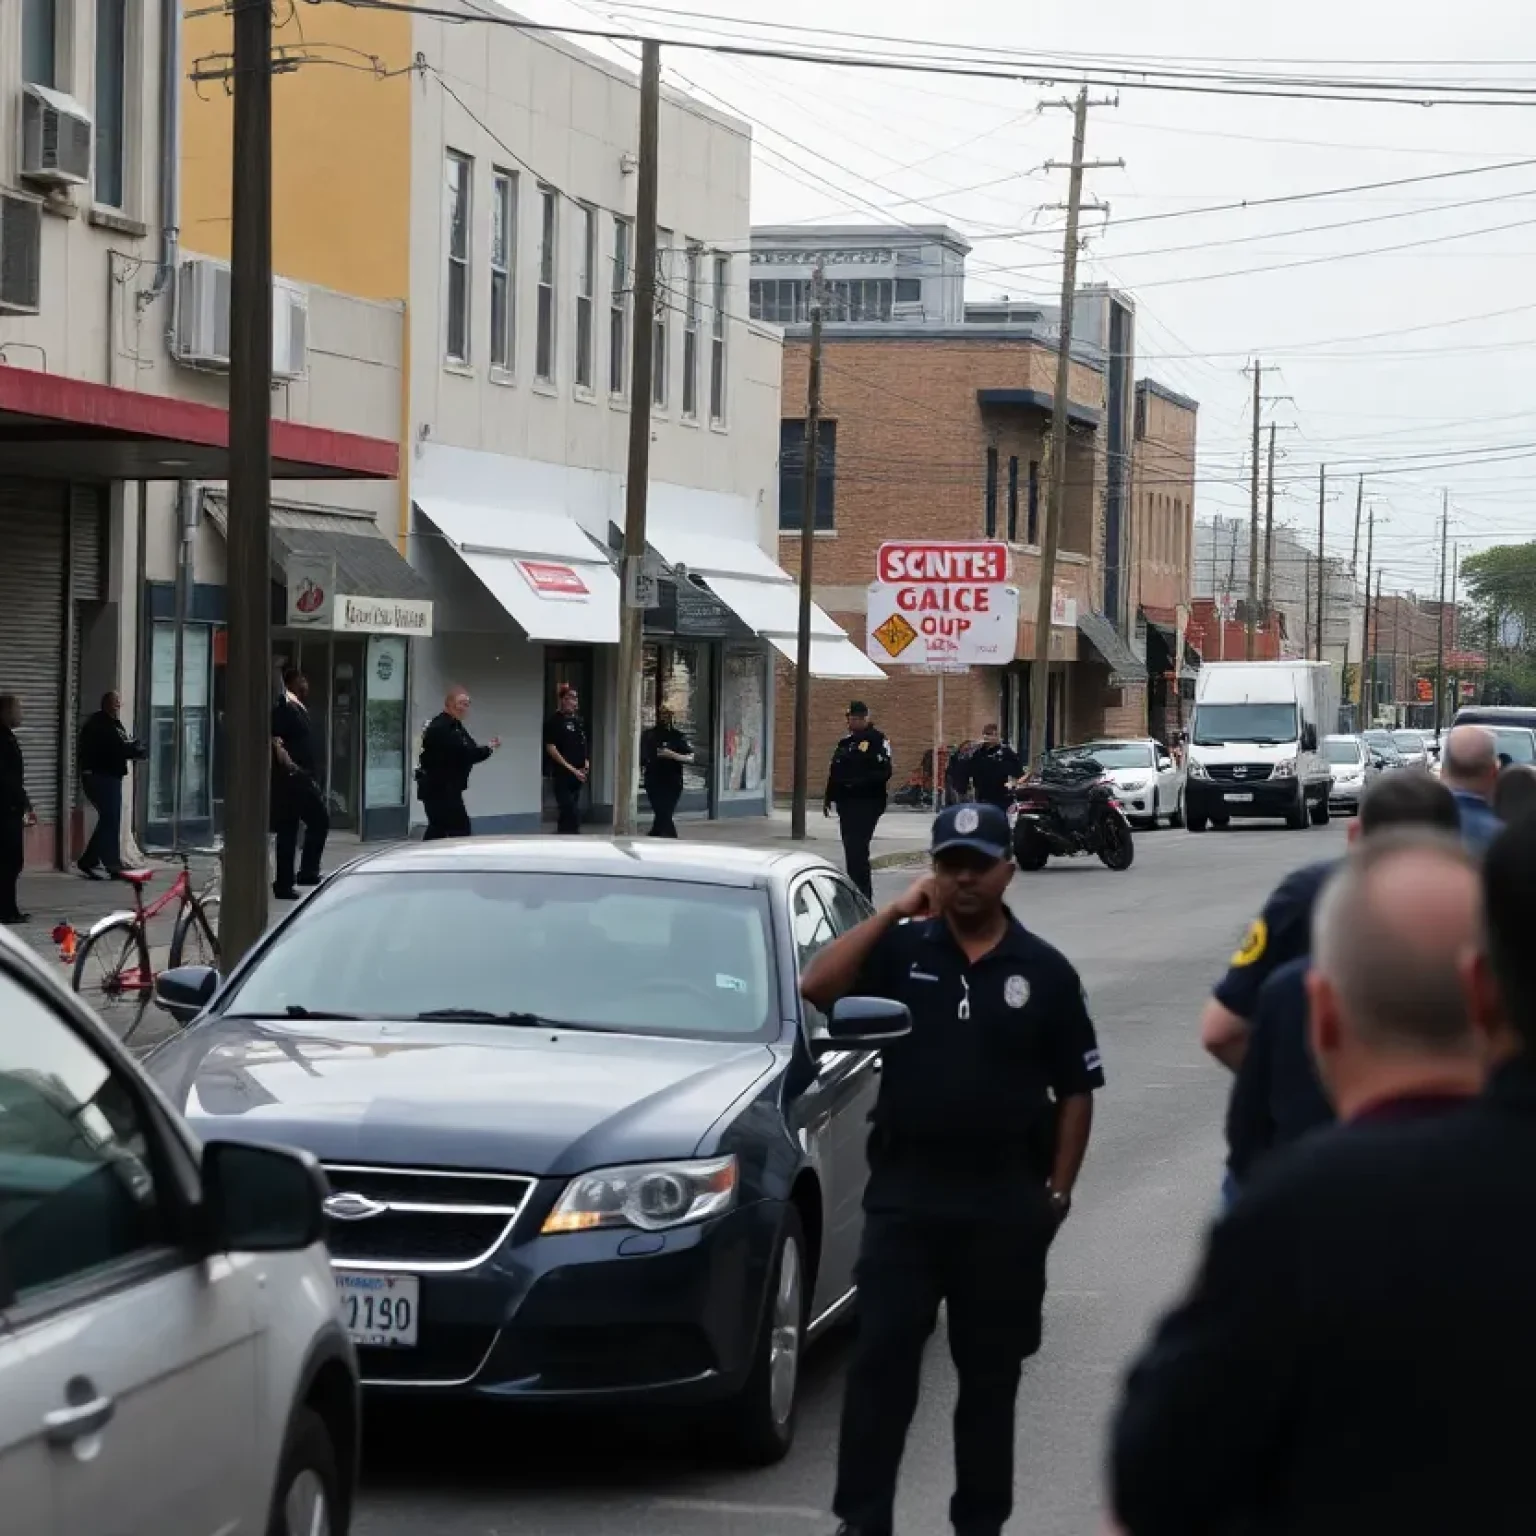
column 905, row 858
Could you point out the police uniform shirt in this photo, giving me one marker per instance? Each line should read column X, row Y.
column 568, row 736
column 861, row 766
column 994, row 1046
column 1282, row 932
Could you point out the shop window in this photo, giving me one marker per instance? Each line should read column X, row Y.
column 792, row 474
column 677, row 674
column 743, row 724
column 197, row 651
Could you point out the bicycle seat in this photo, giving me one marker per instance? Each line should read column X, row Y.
column 136, row 876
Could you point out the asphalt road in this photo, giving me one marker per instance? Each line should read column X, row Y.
column 1149, row 943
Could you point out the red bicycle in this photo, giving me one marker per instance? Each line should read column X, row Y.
column 114, row 961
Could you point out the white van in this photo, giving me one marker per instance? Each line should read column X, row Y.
column 1254, row 745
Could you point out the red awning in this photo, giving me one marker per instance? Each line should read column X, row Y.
column 57, row 428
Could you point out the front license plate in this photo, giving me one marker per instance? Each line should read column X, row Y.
column 1237, row 797
column 379, row 1311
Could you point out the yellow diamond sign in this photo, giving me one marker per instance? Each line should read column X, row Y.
column 896, row 634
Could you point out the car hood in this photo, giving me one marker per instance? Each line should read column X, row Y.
column 536, row 1101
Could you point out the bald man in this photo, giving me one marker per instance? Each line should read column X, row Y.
column 1287, row 1393
column 448, row 754
column 1469, row 768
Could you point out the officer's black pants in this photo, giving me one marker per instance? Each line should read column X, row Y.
column 446, row 817
column 991, row 1273
column 301, row 806
column 13, row 838
column 567, row 802
column 857, row 820
column 663, row 795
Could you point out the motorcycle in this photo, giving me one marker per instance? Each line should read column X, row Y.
column 1066, row 809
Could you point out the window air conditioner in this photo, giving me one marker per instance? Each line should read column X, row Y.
column 55, row 138
column 290, row 330
column 21, row 255
column 202, row 313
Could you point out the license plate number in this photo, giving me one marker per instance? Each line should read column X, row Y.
column 379, row 1311
column 1238, row 797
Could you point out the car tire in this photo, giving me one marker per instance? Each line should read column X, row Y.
column 308, row 1482
column 1151, row 822
column 1194, row 822
column 1320, row 814
column 760, row 1427
column 1221, row 823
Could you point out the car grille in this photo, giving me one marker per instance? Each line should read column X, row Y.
column 1238, row 773
column 423, row 1219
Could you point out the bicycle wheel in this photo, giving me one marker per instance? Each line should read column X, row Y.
column 110, row 973
column 196, row 939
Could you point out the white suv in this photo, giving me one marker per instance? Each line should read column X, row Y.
column 171, row 1358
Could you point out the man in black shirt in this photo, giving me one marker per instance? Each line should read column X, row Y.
column 105, row 751
column 663, row 751
column 297, row 798
column 856, row 785
column 448, row 753
column 994, row 765
column 980, row 1129
column 567, row 759
column 15, row 809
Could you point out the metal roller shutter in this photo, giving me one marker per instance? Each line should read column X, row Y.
column 87, row 554
column 32, row 634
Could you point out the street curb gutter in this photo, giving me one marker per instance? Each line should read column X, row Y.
column 902, row 859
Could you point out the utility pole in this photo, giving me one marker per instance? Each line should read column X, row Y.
column 1322, row 491
column 807, row 560
column 637, row 486
column 1354, row 561
column 1056, row 491
column 1366, row 706
column 1253, row 513
column 244, row 892
column 1267, row 586
column 1445, row 521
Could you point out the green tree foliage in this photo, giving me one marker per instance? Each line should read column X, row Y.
column 1500, row 586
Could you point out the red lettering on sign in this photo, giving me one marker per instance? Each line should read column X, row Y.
column 943, row 563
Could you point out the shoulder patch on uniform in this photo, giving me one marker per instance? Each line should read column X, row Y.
column 1255, row 941
column 1093, row 1060
column 1015, row 991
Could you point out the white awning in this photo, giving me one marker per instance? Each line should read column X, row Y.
column 766, row 599
column 543, row 568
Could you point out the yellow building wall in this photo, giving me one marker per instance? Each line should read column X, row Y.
column 341, row 147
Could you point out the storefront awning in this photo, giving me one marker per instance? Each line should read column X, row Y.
column 762, row 596
column 373, row 589
column 1123, row 663
column 545, row 571
column 58, row 428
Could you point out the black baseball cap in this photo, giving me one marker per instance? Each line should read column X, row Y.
column 981, row 828
column 858, row 707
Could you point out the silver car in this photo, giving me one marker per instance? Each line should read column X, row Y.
column 1353, row 766
column 1414, row 745
column 1148, row 783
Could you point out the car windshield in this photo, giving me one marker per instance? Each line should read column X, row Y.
column 1119, row 754
column 1408, row 741
column 1266, row 724
column 639, row 956
column 1382, row 741
column 1518, row 746
column 1341, row 751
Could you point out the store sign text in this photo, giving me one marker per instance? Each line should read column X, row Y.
column 983, row 562
column 549, row 579
column 383, row 616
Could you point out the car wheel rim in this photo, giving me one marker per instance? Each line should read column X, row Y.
column 305, row 1511
column 784, row 1342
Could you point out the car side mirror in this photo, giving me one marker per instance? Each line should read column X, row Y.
column 260, row 1199
column 186, row 991
column 863, row 1024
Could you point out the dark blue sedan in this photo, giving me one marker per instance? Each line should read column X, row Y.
column 584, row 1139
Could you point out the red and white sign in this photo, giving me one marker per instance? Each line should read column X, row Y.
column 550, row 580
column 939, row 603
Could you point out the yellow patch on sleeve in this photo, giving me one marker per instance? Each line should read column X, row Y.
column 1254, row 943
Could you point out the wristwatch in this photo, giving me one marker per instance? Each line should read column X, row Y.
column 1061, row 1203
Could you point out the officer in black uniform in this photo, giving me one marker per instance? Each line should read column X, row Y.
column 994, row 765
column 448, row 753
column 980, row 1129
column 297, row 798
column 856, row 785
column 567, row 758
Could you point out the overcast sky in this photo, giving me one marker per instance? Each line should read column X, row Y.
column 1395, row 362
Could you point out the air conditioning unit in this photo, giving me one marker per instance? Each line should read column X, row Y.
column 56, row 136
column 202, row 313
column 290, row 330
column 21, row 255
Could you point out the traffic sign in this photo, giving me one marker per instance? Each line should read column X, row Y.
column 940, row 603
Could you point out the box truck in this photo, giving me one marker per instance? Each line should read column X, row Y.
column 1255, row 744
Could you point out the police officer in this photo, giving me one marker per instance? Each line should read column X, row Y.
column 448, row 753
column 567, row 758
column 856, row 785
column 296, row 796
column 980, row 1128
column 994, row 765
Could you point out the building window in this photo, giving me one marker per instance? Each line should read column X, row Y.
column 460, row 177
column 717, row 341
column 792, row 475
column 659, row 359
column 991, row 494
column 691, row 335
column 544, row 340
column 787, row 301
column 1013, row 500
column 39, row 41
column 618, row 310
column 586, row 293
column 111, row 113
column 909, row 290
column 504, row 270
column 1032, row 509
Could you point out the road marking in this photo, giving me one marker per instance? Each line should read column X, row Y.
column 724, row 1507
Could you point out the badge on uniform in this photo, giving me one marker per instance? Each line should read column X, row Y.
column 966, row 822
column 864, row 746
column 1015, row 989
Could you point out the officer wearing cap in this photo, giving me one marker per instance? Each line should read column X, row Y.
column 856, row 785
column 979, row 1131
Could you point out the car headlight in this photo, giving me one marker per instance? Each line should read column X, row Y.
column 1197, row 769
column 651, row 1196
column 1285, row 769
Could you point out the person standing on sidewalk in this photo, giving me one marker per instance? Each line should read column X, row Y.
column 993, row 768
column 448, row 754
column 297, row 798
column 15, row 809
column 856, row 785
column 663, row 751
column 567, row 758
column 105, row 751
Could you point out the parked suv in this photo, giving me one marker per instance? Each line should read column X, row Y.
column 171, row 1358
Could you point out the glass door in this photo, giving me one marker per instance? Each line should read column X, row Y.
column 345, row 732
